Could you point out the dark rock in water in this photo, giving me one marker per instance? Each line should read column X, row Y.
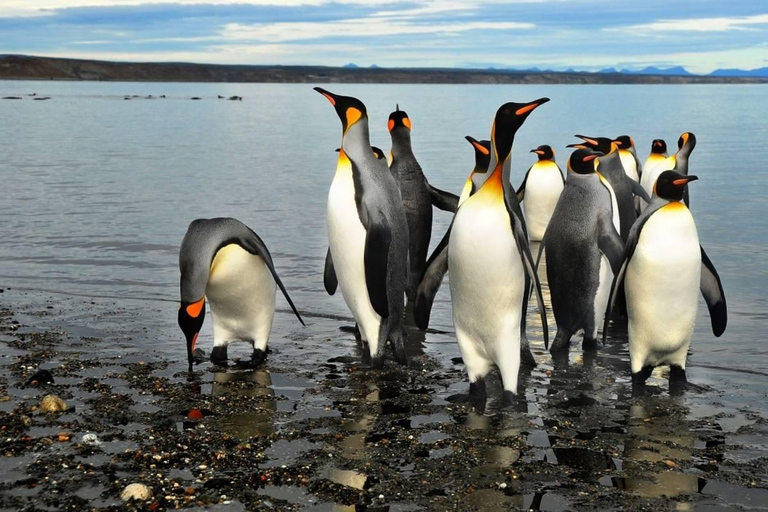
column 42, row 98
column 12, row 97
column 195, row 98
column 236, row 98
column 41, row 377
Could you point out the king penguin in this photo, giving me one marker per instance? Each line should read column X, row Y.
column 628, row 154
column 664, row 267
column 368, row 235
column 418, row 197
column 677, row 162
column 583, row 250
column 656, row 157
column 224, row 261
column 539, row 192
column 488, row 259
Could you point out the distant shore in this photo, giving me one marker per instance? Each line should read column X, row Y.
column 21, row 67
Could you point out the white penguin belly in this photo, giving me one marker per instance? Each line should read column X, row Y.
column 603, row 294
column 486, row 283
column 346, row 236
column 629, row 164
column 241, row 292
column 542, row 190
column 651, row 170
column 662, row 287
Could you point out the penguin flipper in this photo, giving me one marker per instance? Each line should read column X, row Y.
column 714, row 296
column 610, row 244
column 329, row 276
column 443, row 200
column 377, row 242
column 639, row 191
column 253, row 244
column 686, row 199
column 437, row 267
column 521, row 189
column 521, row 238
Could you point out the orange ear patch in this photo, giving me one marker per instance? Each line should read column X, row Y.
column 391, row 124
column 407, row 122
column 353, row 116
column 195, row 308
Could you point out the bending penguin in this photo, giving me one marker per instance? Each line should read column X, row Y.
column 539, row 192
column 367, row 234
column 437, row 264
column 489, row 258
column 663, row 268
column 656, row 157
column 418, row 198
column 583, row 250
column 224, row 261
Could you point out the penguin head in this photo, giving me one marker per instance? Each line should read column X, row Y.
column 509, row 118
column 350, row 110
column 545, row 152
column 191, row 316
column 624, row 142
column 670, row 185
column 658, row 146
column 582, row 161
column 601, row 144
column 482, row 153
column 686, row 142
column 398, row 119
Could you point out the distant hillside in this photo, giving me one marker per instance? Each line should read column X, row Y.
column 759, row 72
column 45, row 68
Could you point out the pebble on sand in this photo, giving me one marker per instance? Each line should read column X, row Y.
column 136, row 492
column 52, row 403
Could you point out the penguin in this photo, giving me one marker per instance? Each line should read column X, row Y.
column 623, row 188
column 418, row 198
column 488, row 258
column 224, row 261
column 677, row 162
column 539, row 192
column 368, row 235
column 628, row 154
column 663, row 269
column 656, row 157
column 584, row 250
column 437, row 264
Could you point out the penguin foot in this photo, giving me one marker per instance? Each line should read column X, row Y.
column 219, row 356
column 512, row 402
column 477, row 395
column 398, row 348
column 561, row 343
column 258, row 357
column 353, row 330
column 526, row 356
column 678, row 383
column 589, row 344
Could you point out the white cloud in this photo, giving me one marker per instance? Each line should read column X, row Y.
column 695, row 25
column 363, row 27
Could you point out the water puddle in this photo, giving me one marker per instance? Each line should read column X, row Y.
column 285, row 452
column 668, row 484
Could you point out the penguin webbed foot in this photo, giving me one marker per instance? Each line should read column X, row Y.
column 639, row 387
column 398, row 348
column 562, row 343
column 513, row 402
column 678, row 382
column 258, row 357
column 589, row 344
column 219, row 356
column 476, row 397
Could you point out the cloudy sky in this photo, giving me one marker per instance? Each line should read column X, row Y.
column 584, row 34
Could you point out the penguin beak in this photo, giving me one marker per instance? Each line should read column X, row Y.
column 476, row 144
column 577, row 146
column 588, row 140
column 537, row 151
column 530, row 107
column 617, row 142
column 681, row 182
column 328, row 94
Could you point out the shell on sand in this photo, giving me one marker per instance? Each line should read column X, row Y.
column 136, row 492
column 52, row 403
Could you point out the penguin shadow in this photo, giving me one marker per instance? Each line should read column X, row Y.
column 238, row 386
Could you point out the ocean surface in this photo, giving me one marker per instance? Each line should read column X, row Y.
column 98, row 190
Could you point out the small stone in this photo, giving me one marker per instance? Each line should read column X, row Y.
column 670, row 463
column 52, row 403
column 138, row 492
column 63, row 437
column 90, row 440
column 26, row 421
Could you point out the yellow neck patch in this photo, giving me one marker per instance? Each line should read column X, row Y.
column 674, row 206
column 343, row 164
column 493, row 188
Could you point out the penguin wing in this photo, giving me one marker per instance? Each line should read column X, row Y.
column 521, row 239
column 637, row 163
column 714, row 296
column 609, row 242
column 521, row 188
column 629, row 251
column 639, row 191
column 329, row 276
column 437, row 267
column 686, row 199
column 444, row 200
column 377, row 241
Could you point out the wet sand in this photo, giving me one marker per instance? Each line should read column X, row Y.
column 313, row 429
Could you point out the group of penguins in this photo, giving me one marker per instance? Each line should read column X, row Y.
column 618, row 235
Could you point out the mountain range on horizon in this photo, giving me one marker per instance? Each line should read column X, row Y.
column 650, row 70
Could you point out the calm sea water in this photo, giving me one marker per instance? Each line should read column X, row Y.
column 97, row 191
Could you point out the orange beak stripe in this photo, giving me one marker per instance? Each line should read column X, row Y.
column 617, row 142
column 590, row 141
column 538, row 152
column 526, row 109
column 681, row 181
column 330, row 98
column 195, row 308
column 589, row 158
